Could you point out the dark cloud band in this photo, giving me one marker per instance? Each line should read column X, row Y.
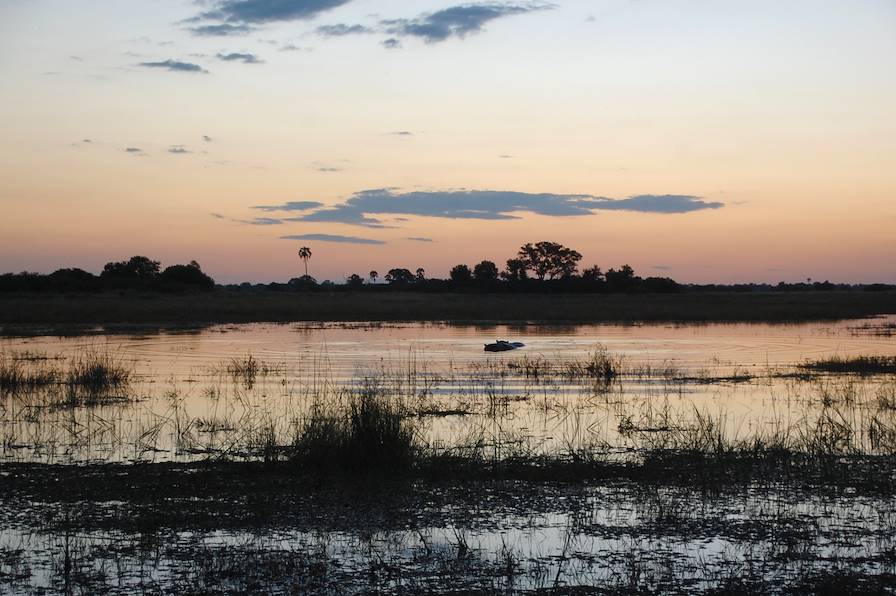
column 174, row 66
column 333, row 238
column 363, row 208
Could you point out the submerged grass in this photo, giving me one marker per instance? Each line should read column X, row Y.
column 17, row 374
column 92, row 377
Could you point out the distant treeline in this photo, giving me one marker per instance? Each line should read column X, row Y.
column 137, row 272
column 546, row 267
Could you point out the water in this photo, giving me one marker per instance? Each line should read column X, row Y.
column 185, row 404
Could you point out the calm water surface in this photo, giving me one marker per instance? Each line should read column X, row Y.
column 188, row 405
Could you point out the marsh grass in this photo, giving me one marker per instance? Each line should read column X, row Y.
column 92, row 377
column 859, row 365
column 372, row 435
column 600, row 367
column 18, row 375
column 97, row 372
column 248, row 369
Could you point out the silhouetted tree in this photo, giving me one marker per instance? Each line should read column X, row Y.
column 421, row 274
column 461, row 274
column 71, row 275
column 136, row 268
column 485, row 271
column 373, row 276
column 399, row 277
column 620, row 279
column 515, row 270
column 593, row 274
column 72, row 279
column 549, row 259
column 305, row 255
column 305, row 282
column 354, row 281
column 186, row 276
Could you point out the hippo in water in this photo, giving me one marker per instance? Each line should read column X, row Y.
column 503, row 346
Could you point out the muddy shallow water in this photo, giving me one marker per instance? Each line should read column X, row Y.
column 223, row 392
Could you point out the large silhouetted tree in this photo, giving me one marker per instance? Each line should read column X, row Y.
column 137, row 267
column 549, row 259
column 460, row 274
column 515, row 270
column 485, row 271
column 373, row 276
column 399, row 277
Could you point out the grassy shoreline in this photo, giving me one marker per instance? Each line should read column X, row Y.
column 222, row 306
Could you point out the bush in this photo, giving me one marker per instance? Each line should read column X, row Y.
column 186, row 276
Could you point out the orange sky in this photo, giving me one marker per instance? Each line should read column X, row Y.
column 782, row 114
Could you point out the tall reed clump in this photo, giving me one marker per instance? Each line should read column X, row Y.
column 95, row 377
column 18, row 375
column 373, row 434
column 601, row 367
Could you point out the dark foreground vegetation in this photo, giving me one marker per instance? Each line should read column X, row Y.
column 226, row 306
column 256, row 527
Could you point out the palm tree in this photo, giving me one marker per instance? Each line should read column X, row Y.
column 373, row 276
column 305, row 255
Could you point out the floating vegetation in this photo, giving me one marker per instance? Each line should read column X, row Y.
column 247, row 370
column 860, row 365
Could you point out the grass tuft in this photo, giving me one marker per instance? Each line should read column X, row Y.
column 373, row 434
column 17, row 376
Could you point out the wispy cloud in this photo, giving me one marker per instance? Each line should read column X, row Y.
column 220, row 30
column 402, row 133
column 655, row 204
column 290, row 206
column 261, row 221
column 230, row 14
column 419, row 239
column 178, row 150
column 391, row 43
column 341, row 30
column 364, row 207
column 333, row 238
column 175, row 66
column 457, row 21
column 245, row 58
column 135, row 151
column 207, row 138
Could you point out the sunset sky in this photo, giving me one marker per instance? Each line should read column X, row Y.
column 705, row 141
